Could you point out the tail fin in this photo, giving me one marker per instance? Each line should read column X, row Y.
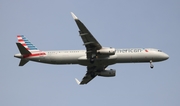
column 22, row 49
column 25, row 47
column 26, row 43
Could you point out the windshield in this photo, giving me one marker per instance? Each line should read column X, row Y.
column 159, row 50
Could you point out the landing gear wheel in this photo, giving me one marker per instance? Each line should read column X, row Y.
column 92, row 60
column 93, row 75
column 93, row 56
column 152, row 67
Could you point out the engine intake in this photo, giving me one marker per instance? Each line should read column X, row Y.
column 107, row 51
column 107, row 73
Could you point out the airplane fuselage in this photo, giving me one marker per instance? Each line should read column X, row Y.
column 134, row 55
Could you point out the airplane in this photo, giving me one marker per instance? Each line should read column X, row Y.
column 96, row 57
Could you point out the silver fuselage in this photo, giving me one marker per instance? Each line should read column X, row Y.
column 135, row 55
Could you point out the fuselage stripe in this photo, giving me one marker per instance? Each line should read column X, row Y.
column 34, row 55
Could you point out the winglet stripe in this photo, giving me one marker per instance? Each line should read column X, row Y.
column 77, row 81
column 74, row 16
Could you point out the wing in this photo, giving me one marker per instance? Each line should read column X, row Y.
column 91, row 44
column 90, row 74
column 87, row 78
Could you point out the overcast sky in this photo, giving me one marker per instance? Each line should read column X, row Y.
column 49, row 25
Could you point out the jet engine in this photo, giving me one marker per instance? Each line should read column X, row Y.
column 107, row 51
column 107, row 73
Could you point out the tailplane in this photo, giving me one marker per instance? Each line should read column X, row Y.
column 23, row 51
column 23, row 62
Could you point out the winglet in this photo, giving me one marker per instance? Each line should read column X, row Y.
column 74, row 16
column 77, row 81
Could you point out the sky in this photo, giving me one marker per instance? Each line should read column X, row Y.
column 49, row 25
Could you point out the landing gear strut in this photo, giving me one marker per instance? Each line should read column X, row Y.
column 92, row 59
column 93, row 74
column 151, row 65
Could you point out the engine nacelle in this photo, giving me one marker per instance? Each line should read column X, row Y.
column 107, row 51
column 107, row 73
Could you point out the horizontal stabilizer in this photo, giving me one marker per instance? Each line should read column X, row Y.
column 22, row 49
column 23, row 62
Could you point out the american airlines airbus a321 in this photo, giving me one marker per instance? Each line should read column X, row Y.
column 96, row 57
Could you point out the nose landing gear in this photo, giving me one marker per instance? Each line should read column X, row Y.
column 151, row 65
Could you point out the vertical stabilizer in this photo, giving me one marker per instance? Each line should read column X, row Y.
column 26, row 43
column 22, row 49
column 25, row 48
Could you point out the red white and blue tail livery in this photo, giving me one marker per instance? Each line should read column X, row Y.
column 28, row 50
column 96, row 58
column 26, row 43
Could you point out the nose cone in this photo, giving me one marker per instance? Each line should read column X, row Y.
column 165, row 56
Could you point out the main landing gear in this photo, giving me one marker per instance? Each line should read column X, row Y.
column 151, row 65
column 93, row 74
column 92, row 59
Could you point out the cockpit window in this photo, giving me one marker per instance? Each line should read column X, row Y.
column 159, row 51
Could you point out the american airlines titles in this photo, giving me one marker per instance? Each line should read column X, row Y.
column 129, row 50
